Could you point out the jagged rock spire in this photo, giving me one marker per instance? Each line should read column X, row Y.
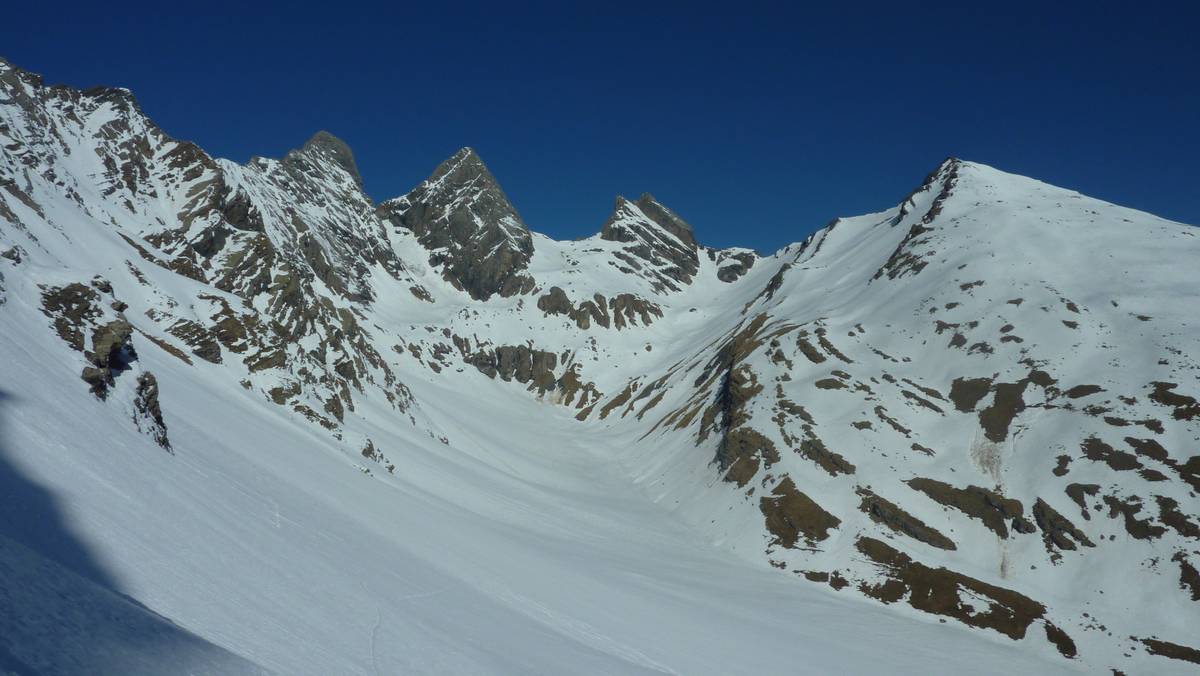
column 472, row 231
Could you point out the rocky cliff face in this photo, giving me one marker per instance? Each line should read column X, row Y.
column 979, row 404
column 283, row 250
column 472, row 232
column 657, row 243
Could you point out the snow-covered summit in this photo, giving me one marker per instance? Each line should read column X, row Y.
column 250, row 418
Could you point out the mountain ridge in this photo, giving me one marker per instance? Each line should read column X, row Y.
column 975, row 405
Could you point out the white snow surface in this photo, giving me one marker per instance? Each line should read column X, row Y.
column 520, row 533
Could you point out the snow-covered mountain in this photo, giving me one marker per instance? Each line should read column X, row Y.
column 252, row 421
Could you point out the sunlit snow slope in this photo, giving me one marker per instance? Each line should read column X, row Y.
column 252, row 421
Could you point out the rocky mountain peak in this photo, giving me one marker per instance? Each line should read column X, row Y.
column 980, row 404
column 658, row 244
column 472, row 231
column 8, row 70
column 939, row 182
column 666, row 218
column 645, row 211
column 330, row 147
column 16, row 84
column 464, row 162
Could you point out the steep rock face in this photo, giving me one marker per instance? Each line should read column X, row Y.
column 334, row 228
column 304, row 216
column 282, row 251
column 658, row 244
column 518, row 362
column 472, row 232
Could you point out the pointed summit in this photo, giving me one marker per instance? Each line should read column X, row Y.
column 462, row 216
column 649, row 211
column 334, row 149
column 941, row 180
column 666, row 218
column 464, row 161
column 465, row 171
column 658, row 237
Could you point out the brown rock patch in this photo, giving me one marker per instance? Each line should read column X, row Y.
column 967, row 392
column 1057, row 530
column 814, row 449
column 988, row 506
column 1099, row 451
column 940, row 591
column 1172, row 650
column 791, row 515
column 888, row 514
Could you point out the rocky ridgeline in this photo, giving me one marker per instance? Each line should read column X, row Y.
column 286, row 250
column 914, row 406
column 836, row 430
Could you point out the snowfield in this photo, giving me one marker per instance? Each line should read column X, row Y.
column 253, row 422
column 529, row 555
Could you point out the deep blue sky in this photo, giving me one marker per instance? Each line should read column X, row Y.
column 756, row 122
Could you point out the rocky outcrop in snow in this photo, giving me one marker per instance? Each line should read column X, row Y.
column 979, row 404
column 472, row 232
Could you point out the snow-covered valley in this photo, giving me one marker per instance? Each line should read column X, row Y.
column 252, row 421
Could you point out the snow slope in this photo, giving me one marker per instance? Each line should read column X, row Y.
column 416, row 437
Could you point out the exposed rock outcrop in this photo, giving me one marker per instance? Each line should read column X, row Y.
column 993, row 509
column 792, row 515
column 1057, row 530
column 944, row 592
column 894, row 517
column 147, row 412
column 659, row 245
column 111, row 353
column 472, row 232
column 619, row 311
column 521, row 363
column 733, row 263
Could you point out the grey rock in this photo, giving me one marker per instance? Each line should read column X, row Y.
column 147, row 411
column 333, row 149
column 462, row 216
column 555, row 302
column 733, row 264
column 111, row 353
column 521, row 363
column 659, row 244
column 666, row 219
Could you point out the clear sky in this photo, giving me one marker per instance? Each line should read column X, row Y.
column 757, row 122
